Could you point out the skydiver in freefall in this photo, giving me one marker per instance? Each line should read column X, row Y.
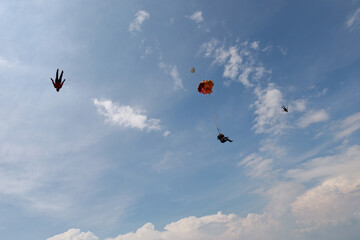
column 58, row 84
column 222, row 138
column 285, row 109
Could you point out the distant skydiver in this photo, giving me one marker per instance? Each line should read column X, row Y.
column 222, row 138
column 285, row 109
column 58, row 84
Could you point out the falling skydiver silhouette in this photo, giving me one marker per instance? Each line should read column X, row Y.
column 58, row 84
column 285, row 109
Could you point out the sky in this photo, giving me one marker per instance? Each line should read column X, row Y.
column 127, row 149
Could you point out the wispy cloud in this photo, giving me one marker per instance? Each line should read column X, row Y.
column 282, row 50
column 197, row 17
column 209, row 47
column 240, row 60
column 166, row 133
column 348, row 126
column 353, row 20
column 313, row 117
column 172, row 71
column 298, row 105
column 169, row 161
column 126, row 116
column 257, row 166
column 140, row 17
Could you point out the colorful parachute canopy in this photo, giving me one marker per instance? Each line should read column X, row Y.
column 205, row 87
column 192, row 70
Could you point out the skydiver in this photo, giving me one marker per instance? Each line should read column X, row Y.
column 285, row 109
column 58, row 84
column 222, row 138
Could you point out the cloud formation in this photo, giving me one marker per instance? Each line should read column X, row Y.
column 334, row 200
column 126, row 116
column 211, row 227
column 240, row 60
column 267, row 108
column 197, row 17
column 348, row 126
column 353, row 20
column 74, row 234
column 172, row 71
column 257, row 166
column 313, row 117
column 140, row 17
column 312, row 198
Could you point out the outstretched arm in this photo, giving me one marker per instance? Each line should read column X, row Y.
column 61, row 74
column 53, row 81
column 63, row 82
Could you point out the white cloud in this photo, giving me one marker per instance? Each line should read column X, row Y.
column 329, row 166
column 257, row 166
column 335, row 198
column 125, row 116
column 255, row 45
column 239, row 61
column 148, row 51
column 353, row 21
column 281, row 195
column 271, row 146
column 292, row 211
column 172, row 71
column 233, row 65
column 298, row 105
column 348, row 126
column 74, row 234
column 313, row 117
column 211, row 227
column 268, row 110
column 166, row 133
column 282, row 50
column 209, row 47
column 332, row 202
column 197, row 17
column 140, row 17
column 244, row 77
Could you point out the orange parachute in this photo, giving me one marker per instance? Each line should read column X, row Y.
column 205, row 87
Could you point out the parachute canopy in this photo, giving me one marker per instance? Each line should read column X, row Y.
column 192, row 70
column 205, row 87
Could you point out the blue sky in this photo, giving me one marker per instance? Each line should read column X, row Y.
column 127, row 149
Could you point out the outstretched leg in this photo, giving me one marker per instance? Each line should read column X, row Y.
column 61, row 76
column 57, row 80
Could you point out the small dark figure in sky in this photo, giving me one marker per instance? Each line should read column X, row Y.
column 58, row 84
column 285, row 109
column 222, row 138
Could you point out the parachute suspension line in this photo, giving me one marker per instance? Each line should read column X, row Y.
column 213, row 112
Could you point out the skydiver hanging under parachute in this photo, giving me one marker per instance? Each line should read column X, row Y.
column 205, row 87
